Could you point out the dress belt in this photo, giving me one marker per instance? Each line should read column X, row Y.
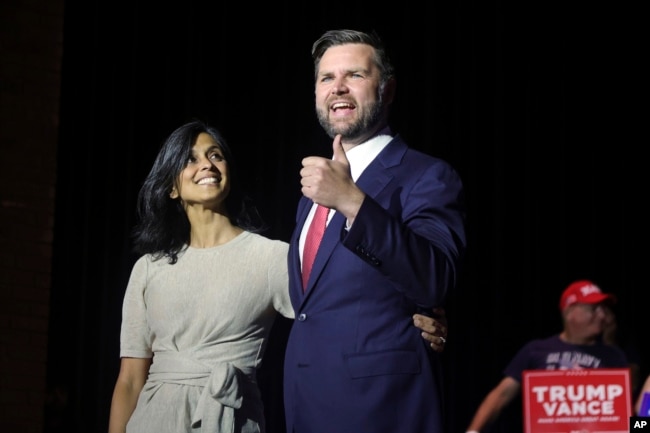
column 222, row 388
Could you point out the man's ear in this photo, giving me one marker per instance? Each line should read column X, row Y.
column 389, row 91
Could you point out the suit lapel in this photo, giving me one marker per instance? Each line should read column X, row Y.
column 304, row 205
column 380, row 171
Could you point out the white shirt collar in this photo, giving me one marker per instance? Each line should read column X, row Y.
column 361, row 155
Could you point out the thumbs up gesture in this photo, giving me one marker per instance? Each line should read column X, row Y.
column 339, row 152
column 328, row 182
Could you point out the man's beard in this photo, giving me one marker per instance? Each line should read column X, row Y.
column 351, row 131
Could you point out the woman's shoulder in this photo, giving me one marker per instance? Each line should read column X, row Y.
column 261, row 241
column 265, row 240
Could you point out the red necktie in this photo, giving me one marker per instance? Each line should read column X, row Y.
column 314, row 236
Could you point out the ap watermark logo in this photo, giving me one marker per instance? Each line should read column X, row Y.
column 639, row 424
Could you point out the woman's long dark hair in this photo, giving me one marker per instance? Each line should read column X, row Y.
column 163, row 228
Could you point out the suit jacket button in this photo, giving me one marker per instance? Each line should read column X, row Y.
column 302, row 317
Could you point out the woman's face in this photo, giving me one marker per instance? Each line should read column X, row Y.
column 204, row 182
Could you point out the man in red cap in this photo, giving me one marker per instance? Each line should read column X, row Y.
column 578, row 346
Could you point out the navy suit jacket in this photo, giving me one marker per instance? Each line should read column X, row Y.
column 354, row 361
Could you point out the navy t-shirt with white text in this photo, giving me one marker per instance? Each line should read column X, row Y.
column 554, row 354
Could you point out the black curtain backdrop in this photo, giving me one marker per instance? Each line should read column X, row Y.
column 522, row 99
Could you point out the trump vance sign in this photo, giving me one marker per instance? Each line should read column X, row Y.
column 577, row 401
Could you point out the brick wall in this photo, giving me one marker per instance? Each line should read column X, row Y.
column 30, row 59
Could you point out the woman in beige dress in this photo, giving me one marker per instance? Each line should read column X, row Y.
column 201, row 299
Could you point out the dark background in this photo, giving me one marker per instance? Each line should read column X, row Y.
column 526, row 101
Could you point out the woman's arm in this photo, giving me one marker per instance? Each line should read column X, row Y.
column 131, row 379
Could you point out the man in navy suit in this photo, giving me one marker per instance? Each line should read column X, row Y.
column 393, row 244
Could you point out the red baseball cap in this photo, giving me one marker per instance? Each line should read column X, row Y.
column 584, row 292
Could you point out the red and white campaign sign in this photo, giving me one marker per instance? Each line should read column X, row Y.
column 577, row 401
